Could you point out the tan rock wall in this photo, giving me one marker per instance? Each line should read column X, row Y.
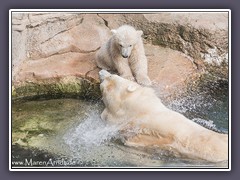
column 51, row 46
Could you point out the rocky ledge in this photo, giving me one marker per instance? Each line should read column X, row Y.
column 53, row 54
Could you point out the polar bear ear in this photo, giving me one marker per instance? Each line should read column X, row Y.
column 114, row 31
column 131, row 88
column 140, row 33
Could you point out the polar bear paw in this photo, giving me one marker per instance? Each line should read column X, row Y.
column 144, row 80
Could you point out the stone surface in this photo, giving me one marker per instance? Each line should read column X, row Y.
column 79, row 38
column 57, row 66
column 200, row 35
column 54, row 53
column 36, row 36
column 169, row 70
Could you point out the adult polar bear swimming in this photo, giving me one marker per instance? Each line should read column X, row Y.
column 124, row 52
column 137, row 107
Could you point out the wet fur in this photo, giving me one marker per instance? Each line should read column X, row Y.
column 154, row 124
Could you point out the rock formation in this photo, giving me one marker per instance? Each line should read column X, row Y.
column 53, row 53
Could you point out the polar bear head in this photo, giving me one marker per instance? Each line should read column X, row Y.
column 115, row 88
column 125, row 38
column 123, row 97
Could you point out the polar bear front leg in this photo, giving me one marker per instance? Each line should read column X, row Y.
column 139, row 69
column 123, row 69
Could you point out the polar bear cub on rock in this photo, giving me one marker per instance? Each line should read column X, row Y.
column 136, row 107
column 124, row 52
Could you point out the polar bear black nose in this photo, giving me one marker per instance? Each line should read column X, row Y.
column 124, row 56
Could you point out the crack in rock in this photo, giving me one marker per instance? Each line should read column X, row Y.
column 63, row 31
column 73, row 50
column 77, row 24
column 33, row 24
column 105, row 21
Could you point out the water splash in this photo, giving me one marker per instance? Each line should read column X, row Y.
column 204, row 110
column 205, row 123
column 191, row 103
column 208, row 124
column 93, row 131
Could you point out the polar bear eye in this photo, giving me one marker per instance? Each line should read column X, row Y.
column 120, row 45
column 130, row 45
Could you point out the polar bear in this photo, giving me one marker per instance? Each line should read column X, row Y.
column 124, row 52
column 147, row 122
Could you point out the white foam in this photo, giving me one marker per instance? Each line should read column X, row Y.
column 93, row 131
column 190, row 103
column 208, row 124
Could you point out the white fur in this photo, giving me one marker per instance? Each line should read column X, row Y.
column 131, row 88
column 125, row 53
column 157, row 125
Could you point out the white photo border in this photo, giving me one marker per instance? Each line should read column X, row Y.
column 107, row 11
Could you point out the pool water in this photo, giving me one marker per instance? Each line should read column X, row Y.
column 70, row 133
